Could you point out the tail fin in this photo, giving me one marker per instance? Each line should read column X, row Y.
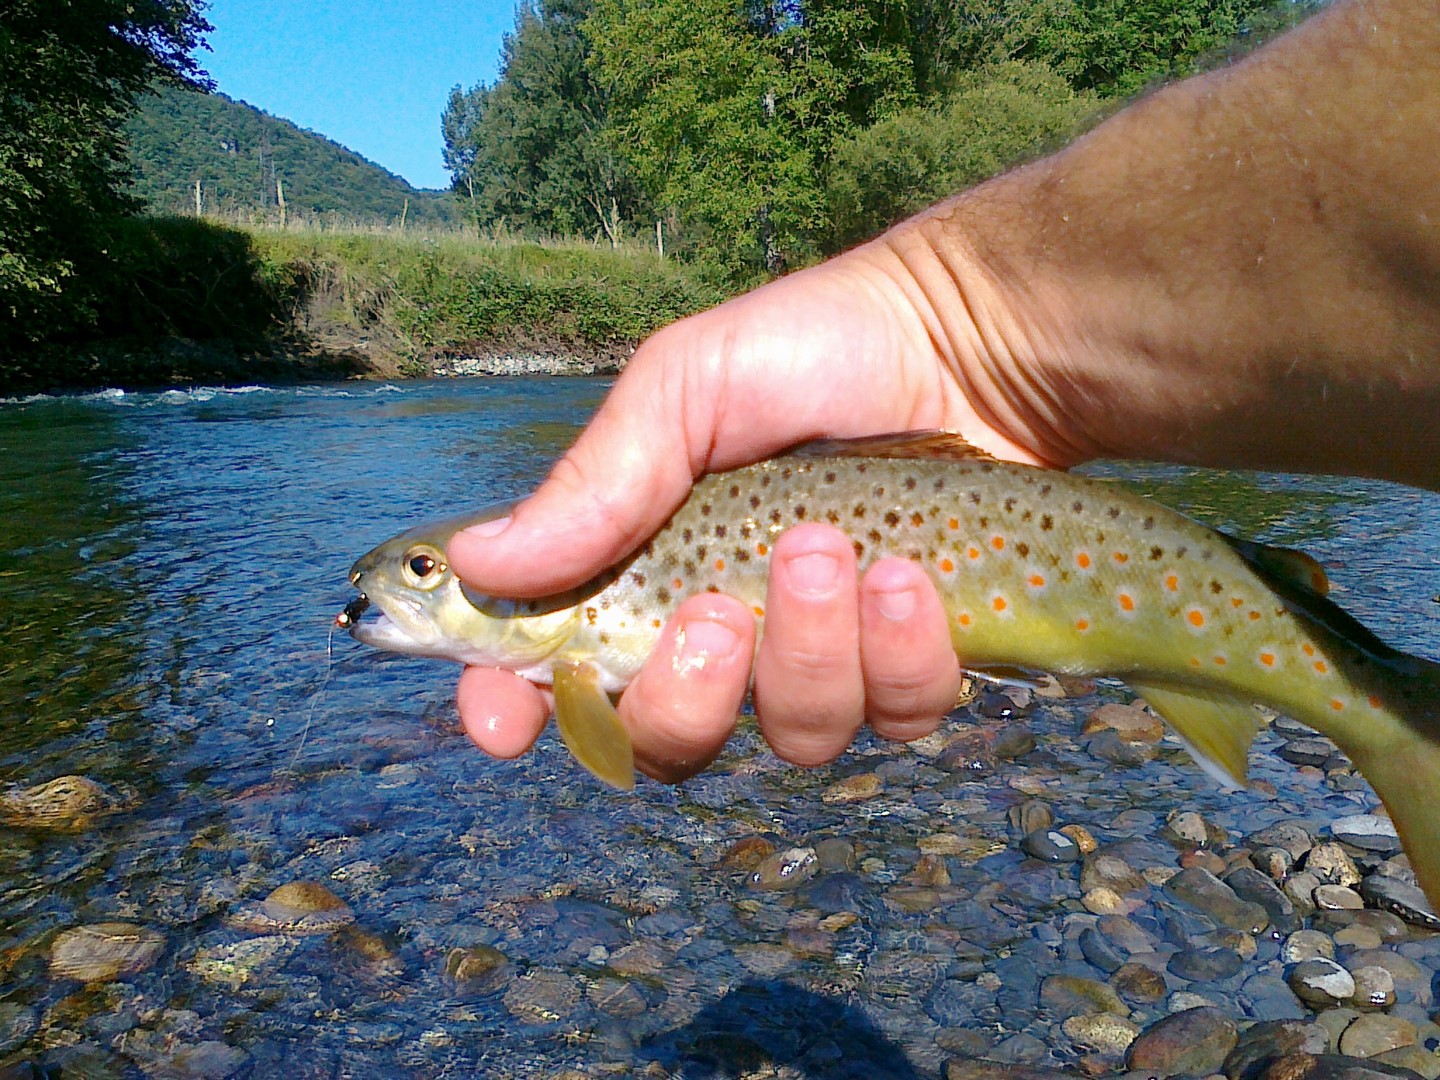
column 1403, row 766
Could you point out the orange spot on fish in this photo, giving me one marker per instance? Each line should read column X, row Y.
column 1254, row 616
column 1172, row 582
column 655, row 623
column 1195, row 617
column 1194, row 661
column 1036, row 581
column 1373, row 701
column 1308, row 649
column 972, row 552
column 1121, row 557
column 1268, row 659
column 946, row 566
column 1082, row 625
column 759, row 611
column 1127, row 602
column 1237, row 602
column 963, row 618
column 998, row 543
column 1000, row 603
column 1321, row 666
column 1082, row 560
column 677, row 584
column 1337, row 704
column 954, row 523
column 719, row 564
column 761, row 549
column 1221, row 661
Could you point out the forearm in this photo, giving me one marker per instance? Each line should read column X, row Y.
column 1242, row 269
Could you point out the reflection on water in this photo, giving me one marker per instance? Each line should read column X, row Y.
column 171, row 566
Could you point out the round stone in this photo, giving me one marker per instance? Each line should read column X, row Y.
column 1204, row 965
column 1332, row 865
column 1139, row 983
column 1049, row 845
column 1195, row 1042
column 1367, row 831
column 1376, row 1033
column 1337, row 898
column 784, row 870
column 104, row 951
column 858, row 788
column 1321, row 982
column 1374, row 987
column 1102, row 1032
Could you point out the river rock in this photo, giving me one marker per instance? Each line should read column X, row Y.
column 1369, row 832
column 1133, row 722
column 1074, row 995
column 1139, row 983
column 1096, row 948
column 1205, row 965
column 1293, row 837
column 66, row 804
column 1111, row 746
column 1005, row 702
column 1195, row 1042
column 747, row 853
column 104, row 951
column 1374, row 987
column 542, row 996
column 1321, row 982
column 1207, row 893
column 1337, row 898
column 1307, row 945
column 1112, row 872
column 1049, row 845
column 1104, row 1033
column 1375, row 1033
column 1267, row 1040
column 1014, row 742
column 1313, row 751
column 297, row 907
column 785, row 870
column 1032, row 815
column 857, row 788
column 1258, row 888
column 1399, row 898
column 1331, row 865
column 479, row 967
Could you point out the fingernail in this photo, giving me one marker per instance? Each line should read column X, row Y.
column 816, row 573
column 897, row 605
column 700, row 641
column 486, row 529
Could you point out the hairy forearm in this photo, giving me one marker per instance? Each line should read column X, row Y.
column 1242, row 269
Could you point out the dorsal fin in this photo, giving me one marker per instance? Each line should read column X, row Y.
column 928, row 445
column 1283, row 564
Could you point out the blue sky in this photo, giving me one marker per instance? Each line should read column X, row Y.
column 373, row 76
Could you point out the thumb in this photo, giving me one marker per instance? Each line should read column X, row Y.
column 615, row 487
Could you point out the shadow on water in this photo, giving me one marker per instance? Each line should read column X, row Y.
column 772, row 1023
column 72, row 628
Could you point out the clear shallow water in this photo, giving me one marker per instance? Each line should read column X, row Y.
column 171, row 564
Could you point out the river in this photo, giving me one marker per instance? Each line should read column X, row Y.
column 171, row 566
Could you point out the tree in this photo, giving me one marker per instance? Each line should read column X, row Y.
column 70, row 71
column 531, row 149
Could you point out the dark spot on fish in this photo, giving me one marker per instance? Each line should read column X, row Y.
column 859, row 549
column 712, row 588
column 639, row 579
column 984, row 523
column 800, row 512
column 860, row 467
column 1206, row 553
column 785, row 474
column 1045, row 490
column 734, row 491
column 917, row 519
column 765, row 480
column 940, row 484
column 1077, row 506
column 1216, row 588
column 604, row 637
column 829, row 478
column 1022, row 549
column 720, row 531
column 859, row 510
column 1180, row 551
column 1099, row 537
column 671, row 562
column 742, row 555
column 892, row 518
column 879, row 491
column 689, row 567
column 1046, row 523
column 874, row 535
column 687, row 536
column 648, row 549
column 1149, row 522
column 1114, row 511
column 754, row 502
column 746, row 530
column 1028, row 479
column 1157, row 553
column 662, row 594
column 704, row 509
column 591, row 615
column 701, row 551
column 832, row 516
column 1009, row 504
column 975, row 497
column 909, row 483
column 776, row 516
column 1027, row 515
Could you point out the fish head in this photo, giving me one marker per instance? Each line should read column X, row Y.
column 411, row 601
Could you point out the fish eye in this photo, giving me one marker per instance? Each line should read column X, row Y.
column 424, row 567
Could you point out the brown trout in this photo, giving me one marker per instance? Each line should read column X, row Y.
column 1037, row 569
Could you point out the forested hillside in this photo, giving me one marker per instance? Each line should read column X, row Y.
column 244, row 159
column 764, row 135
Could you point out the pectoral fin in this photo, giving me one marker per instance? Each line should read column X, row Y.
column 591, row 727
column 1217, row 731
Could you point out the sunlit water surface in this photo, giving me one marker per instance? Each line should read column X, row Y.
column 171, row 565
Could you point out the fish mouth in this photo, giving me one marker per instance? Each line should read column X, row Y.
column 368, row 622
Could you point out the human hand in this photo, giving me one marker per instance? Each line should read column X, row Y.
column 842, row 349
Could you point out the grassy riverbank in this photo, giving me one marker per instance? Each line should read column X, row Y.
column 185, row 300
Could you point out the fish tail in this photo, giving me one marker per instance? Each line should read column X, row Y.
column 1401, row 761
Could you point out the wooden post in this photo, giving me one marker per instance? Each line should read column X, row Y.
column 199, row 206
column 280, row 198
column 660, row 237
column 404, row 210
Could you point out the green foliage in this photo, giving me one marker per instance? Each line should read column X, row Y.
column 987, row 121
column 69, row 71
column 239, row 154
column 531, row 150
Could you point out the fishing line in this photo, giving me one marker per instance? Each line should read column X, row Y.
column 315, row 697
